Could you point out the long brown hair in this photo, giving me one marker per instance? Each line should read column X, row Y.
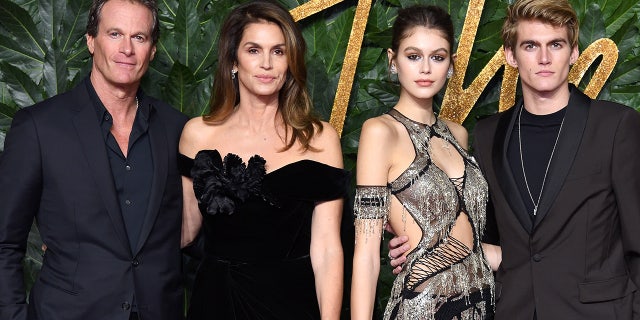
column 294, row 103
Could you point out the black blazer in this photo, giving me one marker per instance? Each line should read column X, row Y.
column 581, row 257
column 55, row 168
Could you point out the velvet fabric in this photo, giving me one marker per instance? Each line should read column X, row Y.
column 257, row 263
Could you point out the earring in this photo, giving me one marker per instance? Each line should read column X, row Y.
column 393, row 69
column 233, row 74
column 450, row 73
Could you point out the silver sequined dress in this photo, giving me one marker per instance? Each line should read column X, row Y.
column 442, row 278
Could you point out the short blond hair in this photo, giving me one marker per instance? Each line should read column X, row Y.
column 558, row 13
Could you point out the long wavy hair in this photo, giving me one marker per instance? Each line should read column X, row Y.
column 294, row 103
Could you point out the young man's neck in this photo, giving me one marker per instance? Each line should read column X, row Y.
column 541, row 103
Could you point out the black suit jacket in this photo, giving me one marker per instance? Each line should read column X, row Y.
column 580, row 259
column 55, row 169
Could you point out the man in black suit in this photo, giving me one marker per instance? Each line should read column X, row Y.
column 564, row 178
column 96, row 167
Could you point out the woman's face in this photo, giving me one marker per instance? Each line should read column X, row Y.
column 262, row 61
column 422, row 62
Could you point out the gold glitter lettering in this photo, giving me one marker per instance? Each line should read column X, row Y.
column 457, row 102
column 602, row 47
column 345, row 83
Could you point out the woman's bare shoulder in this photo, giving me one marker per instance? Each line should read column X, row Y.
column 196, row 135
column 383, row 129
column 459, row 132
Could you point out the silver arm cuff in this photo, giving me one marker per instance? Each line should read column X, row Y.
column 371, row 204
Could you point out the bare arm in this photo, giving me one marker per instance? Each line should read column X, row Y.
column 372, row 170
column 191, row 217
column 493, row 254
column 327, row 258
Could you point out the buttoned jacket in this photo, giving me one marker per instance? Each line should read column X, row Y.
column 580, row 257
column 55, row 169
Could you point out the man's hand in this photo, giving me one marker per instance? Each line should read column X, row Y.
column 397, row 247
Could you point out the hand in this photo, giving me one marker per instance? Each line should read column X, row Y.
column 493, row 254
column 397, row 247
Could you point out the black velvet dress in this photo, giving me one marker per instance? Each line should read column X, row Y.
column 257, row 234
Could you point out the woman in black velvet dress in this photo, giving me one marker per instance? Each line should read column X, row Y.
column 263, row 179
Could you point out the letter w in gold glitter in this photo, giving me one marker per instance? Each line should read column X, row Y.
column 457, row 102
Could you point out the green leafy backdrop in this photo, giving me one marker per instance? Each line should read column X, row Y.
column 43, row 53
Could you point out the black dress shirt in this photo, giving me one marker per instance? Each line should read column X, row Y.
column 132, row 175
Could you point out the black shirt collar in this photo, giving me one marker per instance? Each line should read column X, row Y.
column 144, row 107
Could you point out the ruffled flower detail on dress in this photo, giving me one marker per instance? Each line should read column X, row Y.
column 221, row 185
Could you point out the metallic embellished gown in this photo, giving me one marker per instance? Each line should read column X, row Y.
column 257, row 234
column 442, row 278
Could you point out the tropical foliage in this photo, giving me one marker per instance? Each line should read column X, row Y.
column 43, row 53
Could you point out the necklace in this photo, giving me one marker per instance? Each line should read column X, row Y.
column 445, row 146
column 544, row 179
column 444, row 143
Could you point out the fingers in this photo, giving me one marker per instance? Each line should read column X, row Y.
column 397, row 247
column 397, row 270
column 396, row 264
column 388, row 228
column 398, row 252
column 397, row 242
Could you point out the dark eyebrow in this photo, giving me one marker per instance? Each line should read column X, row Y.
column 528, row 42
column 559, row 40
column 118, row 30
column 253, row 44
column 419, row 50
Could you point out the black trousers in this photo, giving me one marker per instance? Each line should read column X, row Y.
column 134, row 316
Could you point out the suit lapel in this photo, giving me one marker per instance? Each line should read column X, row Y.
column 160, row 156
column 568, row 143
column 93, row 146
column 503, row 169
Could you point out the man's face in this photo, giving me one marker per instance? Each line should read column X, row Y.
column 123, row 47
column 543, row 56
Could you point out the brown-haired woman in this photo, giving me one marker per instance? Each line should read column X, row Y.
column 414, row 173
column 271, row 227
